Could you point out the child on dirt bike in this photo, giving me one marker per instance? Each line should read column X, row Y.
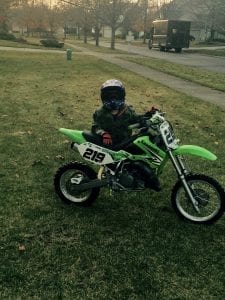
column 112, row 120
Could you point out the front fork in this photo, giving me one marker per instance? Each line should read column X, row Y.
column 182, row 172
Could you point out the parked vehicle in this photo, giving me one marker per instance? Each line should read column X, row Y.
column 170, row 34
column 52, row 43
column 130, row 167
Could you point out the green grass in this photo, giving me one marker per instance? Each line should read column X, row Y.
column 213, row 52
column 208, row 51
column 33, row 43
column 203, row 77
column 30, row 44
column 93, row 47
column 127, row 246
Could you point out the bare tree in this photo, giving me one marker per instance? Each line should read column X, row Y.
column 83, row 6
column 5, row 6
column 133, row 20
column 35, row 17
column 113, row 14
column 96, row 13
column 53, row 17
column 73, row 20
column 95, row 9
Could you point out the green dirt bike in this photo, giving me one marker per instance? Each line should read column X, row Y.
column 134, row 164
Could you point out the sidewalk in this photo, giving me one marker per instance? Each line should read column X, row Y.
column 178, row 84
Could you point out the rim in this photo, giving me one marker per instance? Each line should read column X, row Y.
column 67, row 183
column 208, row 199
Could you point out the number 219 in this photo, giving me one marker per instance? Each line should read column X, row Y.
column 94, row 155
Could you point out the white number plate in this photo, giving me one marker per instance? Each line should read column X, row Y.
column 95, row 154
column 168, row 135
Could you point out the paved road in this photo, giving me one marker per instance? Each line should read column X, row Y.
column 184, row 86
column 211, row 63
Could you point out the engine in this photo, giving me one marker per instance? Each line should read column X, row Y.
column 132, row 176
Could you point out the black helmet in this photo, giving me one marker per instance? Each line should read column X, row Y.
column 113, row 94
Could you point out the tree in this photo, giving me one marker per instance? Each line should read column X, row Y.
column 53, row 17
column 133, row 19
column 36, row 16
column 113, row 14
column 84, row 16
column 96, row 13
column 4, row 14
column 95, row 10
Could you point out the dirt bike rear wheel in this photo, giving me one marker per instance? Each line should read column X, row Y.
column 68, row 176
column 207, row 192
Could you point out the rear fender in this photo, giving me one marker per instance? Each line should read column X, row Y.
column 194, row 150
column 74, row 135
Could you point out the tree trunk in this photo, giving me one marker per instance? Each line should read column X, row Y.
column 113, row 38
column 212, row 34
column 78, row 32
column 85, row 35
column 85, row 26
column 97, row 31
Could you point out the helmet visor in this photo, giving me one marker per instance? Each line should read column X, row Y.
column 113, row 104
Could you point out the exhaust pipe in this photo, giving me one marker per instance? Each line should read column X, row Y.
column 90, row 185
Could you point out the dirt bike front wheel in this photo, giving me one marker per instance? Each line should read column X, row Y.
column 68, row 177
column 209, row 197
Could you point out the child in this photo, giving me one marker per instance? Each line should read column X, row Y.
column 111, row 121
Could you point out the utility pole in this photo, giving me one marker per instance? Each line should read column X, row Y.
column 145, row 19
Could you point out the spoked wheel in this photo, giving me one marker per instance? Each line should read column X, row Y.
column 209, row 197
column 68, row 177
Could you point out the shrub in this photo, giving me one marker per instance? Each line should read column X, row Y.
column 7, row 36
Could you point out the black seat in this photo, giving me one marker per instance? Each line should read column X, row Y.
column 96, row 139
column 92, row 138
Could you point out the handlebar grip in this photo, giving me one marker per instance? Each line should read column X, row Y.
column 133, row 126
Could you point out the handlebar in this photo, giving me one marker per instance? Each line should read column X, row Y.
column 158, row 117
column 133, row 126
column 155, row 119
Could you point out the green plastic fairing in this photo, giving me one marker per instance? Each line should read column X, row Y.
column 194, row 150
column 145, row 144
column 74, row 135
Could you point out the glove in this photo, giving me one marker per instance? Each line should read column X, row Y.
column 106, row 138
column 151, row 111
column 144, row 122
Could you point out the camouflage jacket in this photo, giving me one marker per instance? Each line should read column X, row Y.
column 116, row 125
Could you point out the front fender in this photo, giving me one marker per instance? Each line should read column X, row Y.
column 194, row 150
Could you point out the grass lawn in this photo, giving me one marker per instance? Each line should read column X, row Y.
column 213, row 52
column 125, row 246
column 31, row 44
column 203, row 77
column 93, row 47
